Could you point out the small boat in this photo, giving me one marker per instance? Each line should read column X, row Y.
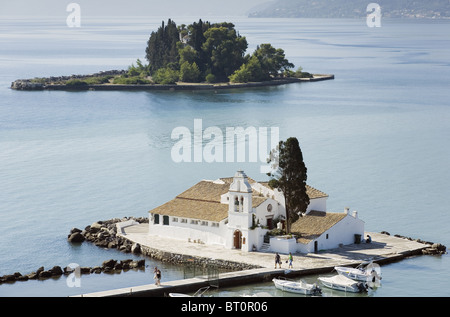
column 342, row 283
column 360, row 273
column 300, row 287
column 199, row 293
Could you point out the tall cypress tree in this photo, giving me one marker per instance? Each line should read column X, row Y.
column 162, row 46
column 290, row 178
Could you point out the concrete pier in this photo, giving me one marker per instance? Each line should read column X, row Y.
column 383, row 249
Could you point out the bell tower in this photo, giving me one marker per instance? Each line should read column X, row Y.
column 240, row 212
column 240, row 194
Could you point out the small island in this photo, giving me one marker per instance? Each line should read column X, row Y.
column 198, row 56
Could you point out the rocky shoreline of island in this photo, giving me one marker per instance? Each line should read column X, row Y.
column 64, row 83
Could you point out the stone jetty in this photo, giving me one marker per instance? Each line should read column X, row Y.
column 104, row 234
column 57, row 81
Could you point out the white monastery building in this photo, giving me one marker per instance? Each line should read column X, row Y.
column 238, row 213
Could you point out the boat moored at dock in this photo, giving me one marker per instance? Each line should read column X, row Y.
column 300, row 287
column 342, row 283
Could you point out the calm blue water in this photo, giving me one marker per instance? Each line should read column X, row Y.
column 375, row 139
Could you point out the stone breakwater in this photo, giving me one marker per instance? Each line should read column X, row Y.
column 104, row 234
column 46, row 82
column 109, row 266
column 433, row 249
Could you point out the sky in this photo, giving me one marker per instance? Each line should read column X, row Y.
column 104, row 8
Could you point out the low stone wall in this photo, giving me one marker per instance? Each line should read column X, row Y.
column 180, row 259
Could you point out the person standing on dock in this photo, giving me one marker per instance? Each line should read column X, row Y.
column 157, row 276
column 277, row 261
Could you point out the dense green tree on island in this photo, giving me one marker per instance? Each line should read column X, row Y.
column 224, row 50
column 290, row 178
column 162, row 46
column 265, row 63
column 272, row 60
column 203, row 51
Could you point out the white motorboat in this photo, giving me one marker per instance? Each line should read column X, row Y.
column 342, row 283
column 361, row 273
column 300, row 287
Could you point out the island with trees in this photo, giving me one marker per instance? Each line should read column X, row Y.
column 201, row 55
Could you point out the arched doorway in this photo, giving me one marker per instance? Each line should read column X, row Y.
column 237, row 237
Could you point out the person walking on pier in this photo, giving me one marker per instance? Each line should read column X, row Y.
column 290, row 259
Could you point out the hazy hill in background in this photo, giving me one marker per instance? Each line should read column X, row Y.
column 433, row 9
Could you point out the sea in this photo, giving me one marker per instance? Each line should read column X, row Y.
column 376, row 139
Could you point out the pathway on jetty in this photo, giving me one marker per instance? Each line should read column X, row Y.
column 383, row 249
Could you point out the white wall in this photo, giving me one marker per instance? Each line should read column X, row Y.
column 187, row 231
column 318, row 204
column 262, row 214
column 282, row 245
column 341, row 233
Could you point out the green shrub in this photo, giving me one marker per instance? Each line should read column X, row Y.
column 301, row 74
column 76, row 83
column 166, row 76
column 210, row 78
column 97, row 80
column 131, row 81
column 189, row 72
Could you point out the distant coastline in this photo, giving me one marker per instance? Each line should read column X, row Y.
column 59, row 83
column 349, row 9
